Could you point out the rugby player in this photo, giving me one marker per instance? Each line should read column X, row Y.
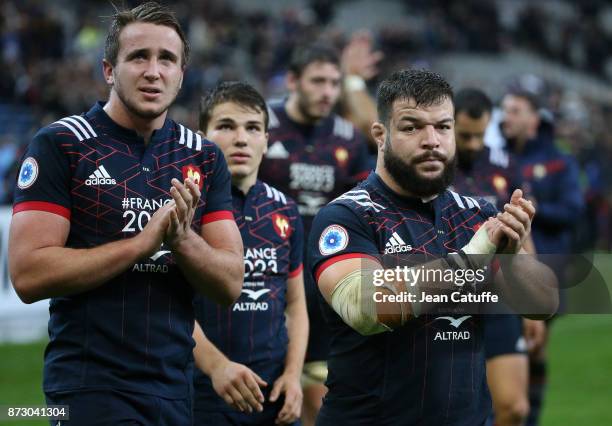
column 120, row 216
column 412, row 362
column 250, row 344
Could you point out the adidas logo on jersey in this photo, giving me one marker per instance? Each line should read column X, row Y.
column 100, row 177
column 396, row 245
column 277, row 151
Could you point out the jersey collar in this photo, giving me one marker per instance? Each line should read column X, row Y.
column 122, row 133
column 402, row 200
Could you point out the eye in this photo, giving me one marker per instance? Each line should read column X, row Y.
column 254, row 129
column 224, row 126
column 167, row 58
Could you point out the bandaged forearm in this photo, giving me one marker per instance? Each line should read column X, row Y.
column 360, row 300
column 477, row 253
column 353, row 301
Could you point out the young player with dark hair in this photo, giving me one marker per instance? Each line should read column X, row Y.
column 253, row 351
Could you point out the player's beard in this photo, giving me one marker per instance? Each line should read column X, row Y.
column 406, row 175
column 304, row 104
column 133, row 108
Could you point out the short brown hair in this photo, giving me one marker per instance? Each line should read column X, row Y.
column 238, row 92
column 150, row 12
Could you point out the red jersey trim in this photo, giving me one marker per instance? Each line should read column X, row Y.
column 42, row 206
column 215, row 216
column 296, row 271
column 329, row 262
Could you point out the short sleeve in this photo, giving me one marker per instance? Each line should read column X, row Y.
column 43, row 181
column 487, row 209
column 296, row 255
column 337, row 234
column 219, row 195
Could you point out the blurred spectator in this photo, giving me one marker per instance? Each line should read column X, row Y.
column 50, row 58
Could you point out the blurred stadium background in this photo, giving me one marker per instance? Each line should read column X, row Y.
column 50, row 66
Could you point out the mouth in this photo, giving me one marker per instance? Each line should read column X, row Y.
column 239, row 157
column 150, row 92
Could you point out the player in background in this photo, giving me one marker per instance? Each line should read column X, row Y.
column 430, row 369
column 493, row 175
column 553, row 180
column 120, row 216
column 313, row 156
column 250, row 344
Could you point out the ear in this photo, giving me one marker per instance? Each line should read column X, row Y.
column 107, row 70
column 267, row 136
column 379, row 133
column 291, row 81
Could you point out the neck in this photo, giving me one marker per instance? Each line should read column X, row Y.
column 519, row 144
column 386, row 177
column 120, row 114
column 244, row 183
column 293, row 111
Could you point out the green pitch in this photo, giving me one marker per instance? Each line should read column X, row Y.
column 580, row 385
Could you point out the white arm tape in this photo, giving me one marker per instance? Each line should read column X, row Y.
column 480, row 248
column 353, row 300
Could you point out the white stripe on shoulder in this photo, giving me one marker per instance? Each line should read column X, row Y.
column 471, row 202
column 343, row 128
column 86, row 124
column 362, row 198
column 499, row 157
column 457, row 199
column 78, row 125
column 182, row 138
column 272, row 118
column 275, row 194
column 268, row 190
column 190, row 138
column 72, row 129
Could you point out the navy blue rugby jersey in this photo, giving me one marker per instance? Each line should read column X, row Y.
column 431, row 371
column 493, row 175
column 252, row 331
column 134, row 332
column 313, row 164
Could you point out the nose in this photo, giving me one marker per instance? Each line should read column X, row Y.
column 329, row 90
column 430, row 137
column 242, row 136
column 152, row 70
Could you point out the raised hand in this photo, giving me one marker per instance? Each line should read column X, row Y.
column 514, row 223
column 186, row 197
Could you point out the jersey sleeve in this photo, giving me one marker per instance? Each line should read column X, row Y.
column 219, row 193
column 296, row 255
column 487, row 209
column 337, row 234
column 43, row 182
